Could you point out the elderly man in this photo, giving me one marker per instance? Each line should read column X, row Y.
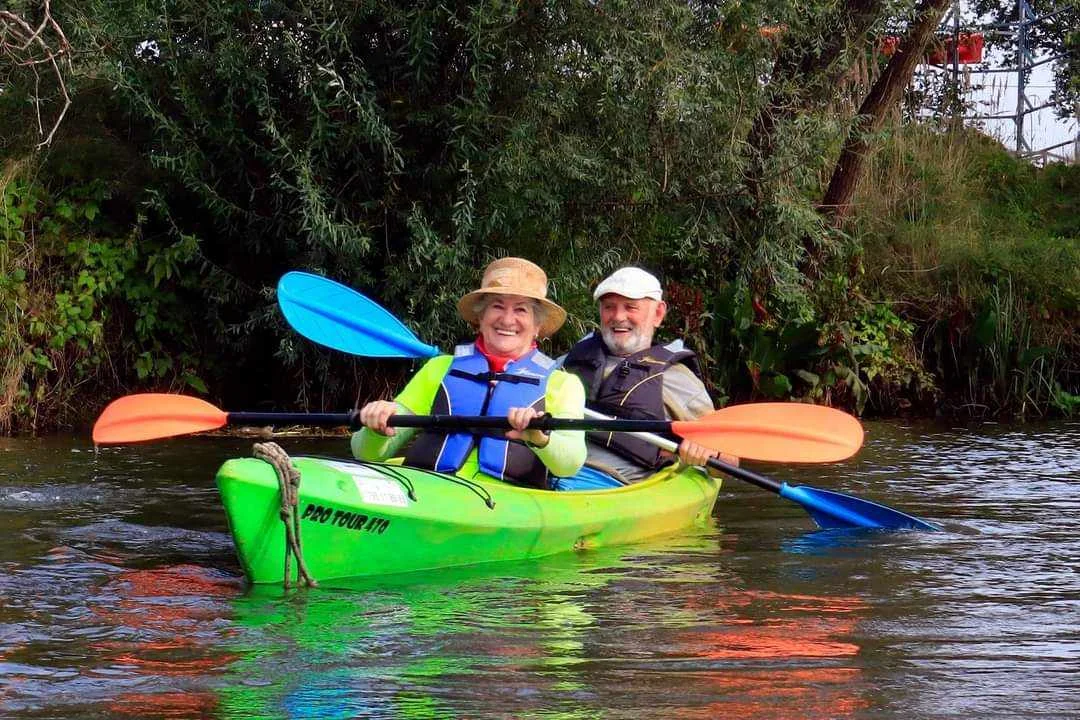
column 627, row 376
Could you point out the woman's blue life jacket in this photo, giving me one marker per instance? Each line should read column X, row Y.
column 470, row 387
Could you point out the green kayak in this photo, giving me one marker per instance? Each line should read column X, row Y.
column 362, row 519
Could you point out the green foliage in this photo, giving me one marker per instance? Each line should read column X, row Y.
column 878, row 363
column 983, row 249
column 76, row 304
column 776, row 353
column 400, row 146
column 1065, row 402
column 859, row 357
column 1007, row 369
column 1057, row 198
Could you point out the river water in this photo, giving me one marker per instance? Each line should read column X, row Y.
column 120, row 596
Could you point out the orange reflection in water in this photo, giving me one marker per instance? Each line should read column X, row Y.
column 166, row 607
column 792, row 695
column 803, row 642
column 166, row 704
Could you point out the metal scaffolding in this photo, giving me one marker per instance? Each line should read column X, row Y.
column 1025, row 62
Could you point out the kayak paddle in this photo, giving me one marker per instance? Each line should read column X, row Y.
column 338, row 317
column 829, row 509
column 150, row 416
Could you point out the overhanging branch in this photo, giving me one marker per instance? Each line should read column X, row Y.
column 29, row 47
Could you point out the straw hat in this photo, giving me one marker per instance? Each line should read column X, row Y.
column 514, row 276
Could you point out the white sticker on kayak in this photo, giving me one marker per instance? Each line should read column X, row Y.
column 373, row 487
column 380, row 491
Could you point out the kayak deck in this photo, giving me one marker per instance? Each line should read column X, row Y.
column 361, row 519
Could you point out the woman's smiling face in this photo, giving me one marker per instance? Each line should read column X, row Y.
column 509, row 325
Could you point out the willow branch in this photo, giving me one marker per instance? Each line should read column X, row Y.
column 26, row 46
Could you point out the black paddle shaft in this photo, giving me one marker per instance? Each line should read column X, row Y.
column 349, row 419
column 545, row 422
column 447, row 422
column 548, row 422
column 743, row 474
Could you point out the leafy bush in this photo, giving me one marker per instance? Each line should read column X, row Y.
column 80, row 305
column 986, row 276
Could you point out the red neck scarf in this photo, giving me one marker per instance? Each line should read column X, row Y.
column 498, row 363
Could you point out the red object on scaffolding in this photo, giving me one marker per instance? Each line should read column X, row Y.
column 970, row 49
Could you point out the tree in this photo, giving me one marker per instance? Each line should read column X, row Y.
column 33, row 43
column 397, row 146
column 883, row 96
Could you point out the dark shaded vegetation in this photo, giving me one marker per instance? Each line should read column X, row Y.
column 399, row 147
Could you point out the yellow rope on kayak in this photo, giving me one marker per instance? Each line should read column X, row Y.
column 289, row 484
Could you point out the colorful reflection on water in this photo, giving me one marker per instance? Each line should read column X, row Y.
column 120, row 597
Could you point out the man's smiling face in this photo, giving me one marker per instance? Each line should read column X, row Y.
column 627, row 324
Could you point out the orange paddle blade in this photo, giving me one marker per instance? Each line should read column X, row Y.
column 149, row 416
column 791, row 432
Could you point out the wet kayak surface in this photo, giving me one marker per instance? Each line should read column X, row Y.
column 120, row 596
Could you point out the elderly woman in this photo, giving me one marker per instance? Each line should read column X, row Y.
column 501, row 373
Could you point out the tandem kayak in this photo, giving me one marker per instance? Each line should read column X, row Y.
column 362, row 519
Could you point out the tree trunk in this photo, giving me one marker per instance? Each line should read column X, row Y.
column 801, row 78
column 883, row 96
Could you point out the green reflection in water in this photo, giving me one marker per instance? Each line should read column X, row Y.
column 393, row 647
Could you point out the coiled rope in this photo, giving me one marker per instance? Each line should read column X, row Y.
column 289, row 484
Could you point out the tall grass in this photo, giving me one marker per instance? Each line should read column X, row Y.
column 968, row 238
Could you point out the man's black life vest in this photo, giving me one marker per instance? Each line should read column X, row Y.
column 470, row 388
column 633, row 390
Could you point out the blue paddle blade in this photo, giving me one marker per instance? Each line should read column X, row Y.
column 837, row 510
column 338, row 317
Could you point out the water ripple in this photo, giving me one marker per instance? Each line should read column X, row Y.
column 120, row 596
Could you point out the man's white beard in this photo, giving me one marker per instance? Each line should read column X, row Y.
column 625, row 343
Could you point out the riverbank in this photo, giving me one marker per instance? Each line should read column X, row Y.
column 957, row 294
column 955, row 291
column 980, row 253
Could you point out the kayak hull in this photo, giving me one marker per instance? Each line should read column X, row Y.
column 363, row 519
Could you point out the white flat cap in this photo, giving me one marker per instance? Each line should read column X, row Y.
column 630, row 282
